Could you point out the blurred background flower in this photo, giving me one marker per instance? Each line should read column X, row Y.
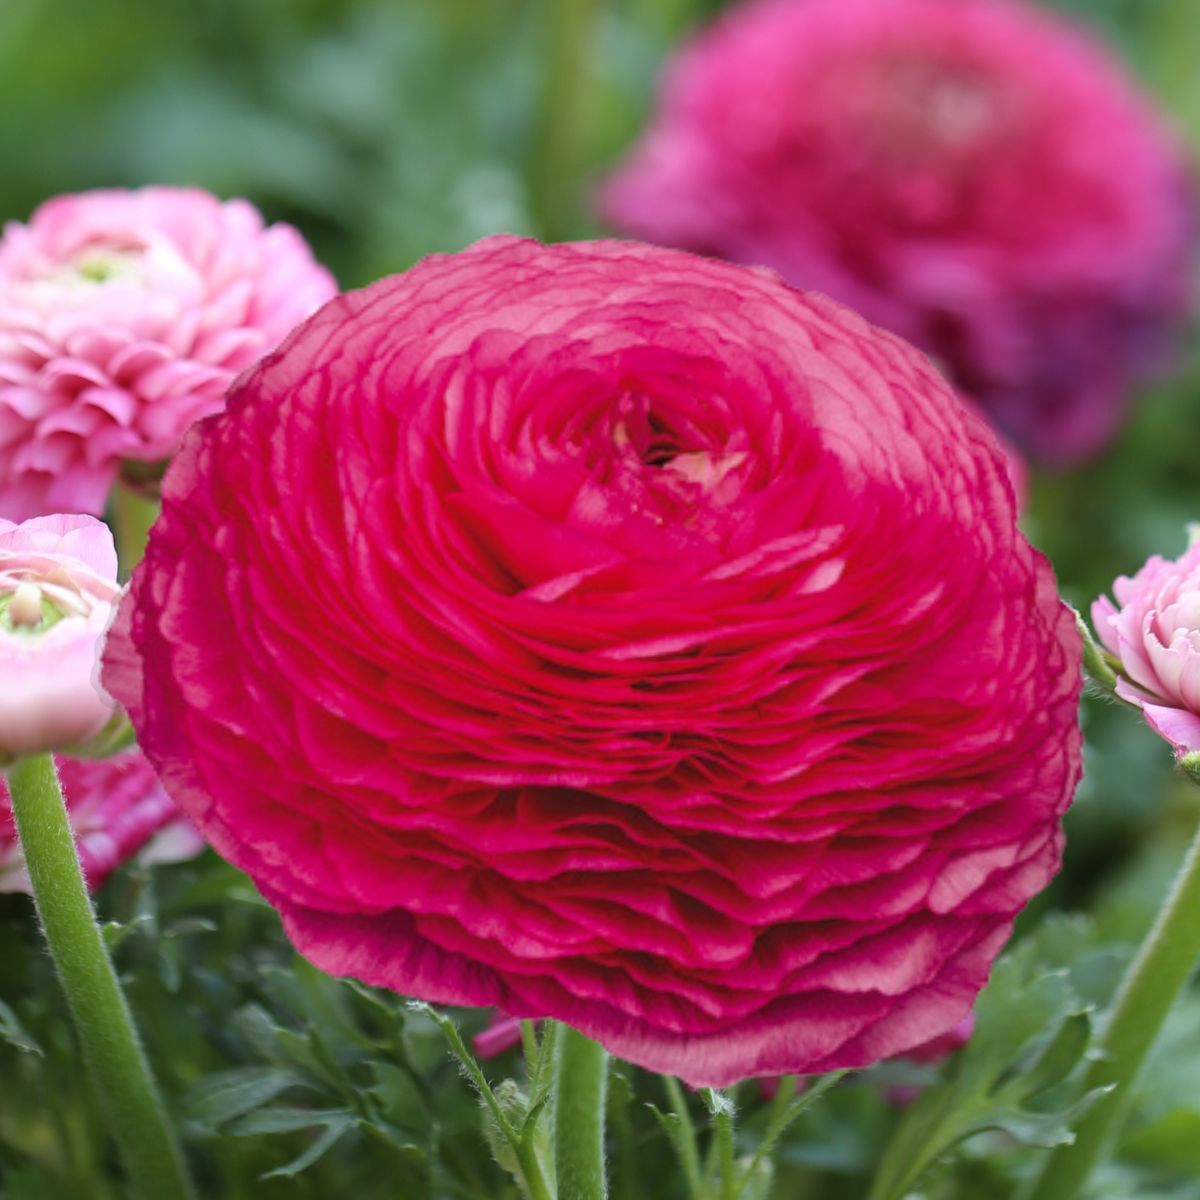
column 124, row 316
column 118, row 809
column 971, row 174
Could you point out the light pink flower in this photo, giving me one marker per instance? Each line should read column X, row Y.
column 124, row 315
column 118, row 809
column 58, row 587
column 1155, row 633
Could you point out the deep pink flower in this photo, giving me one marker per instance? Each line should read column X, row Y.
column 58, row 588
column 976, row 175
column 123, row 317
column 118, row 809
column 606, row 633
column 1156, row 636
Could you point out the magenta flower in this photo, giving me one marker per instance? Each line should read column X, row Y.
column 124, row 315
column 605, row 633
column 118, row 809
column 58, row 588
column 977, row 175
column 1155, row 635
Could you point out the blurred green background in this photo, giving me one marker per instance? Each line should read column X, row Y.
column 387, row 129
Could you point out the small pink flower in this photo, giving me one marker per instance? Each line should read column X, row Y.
column 58, row 589
column 124, row 315
column 118, row 809
column 1155, row 633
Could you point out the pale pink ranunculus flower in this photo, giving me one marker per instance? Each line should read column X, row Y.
column 118, row 811
column 1155, row 633
column 58, row 588
column 124, row 316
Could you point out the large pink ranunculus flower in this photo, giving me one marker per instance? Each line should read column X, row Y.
column 118, row 809
column 124, row 315
column 1155, row 635
column 976, row 175
column 58, row 590
column 604, row 633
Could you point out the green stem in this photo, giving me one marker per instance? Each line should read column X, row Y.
column 553, row 168
column 133, row 515
column 102, row 1018
column 689, row 1153
column 580, row 1086
column 725, row 1152
column 1151, row 984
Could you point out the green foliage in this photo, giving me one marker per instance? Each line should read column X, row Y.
column 1031, row 1033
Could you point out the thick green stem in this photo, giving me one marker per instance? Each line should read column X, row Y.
column 1153, row 981
column 102, row 1018
column 580, row 1087
column 553, row 167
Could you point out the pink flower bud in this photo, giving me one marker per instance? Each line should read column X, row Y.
column 57, row 592
column 1155, row 633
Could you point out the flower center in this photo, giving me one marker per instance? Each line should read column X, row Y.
column 31, row 605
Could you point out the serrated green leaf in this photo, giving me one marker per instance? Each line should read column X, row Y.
column 1031, row 1031
column 227, row 1094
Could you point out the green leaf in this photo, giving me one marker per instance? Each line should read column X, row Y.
column 786, row 1112
column 14, row 1033
column 323, row 1142
column 1031, row 1033
column 116, row 932
column 285, row 1120
column 227, row 1094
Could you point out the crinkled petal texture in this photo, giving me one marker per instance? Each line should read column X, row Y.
column 124, row 316
column 1155, row 635
column 976, row 175
column 118, row 809
column 600, row 632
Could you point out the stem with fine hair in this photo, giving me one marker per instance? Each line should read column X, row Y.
column 102, row 1019
column 1151, row 984
column 580, row 1090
